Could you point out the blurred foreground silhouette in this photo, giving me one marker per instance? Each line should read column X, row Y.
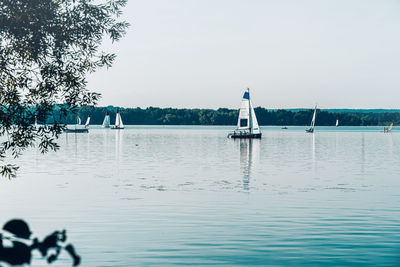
column 16, row 245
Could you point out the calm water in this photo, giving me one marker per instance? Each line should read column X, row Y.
column 188, row 195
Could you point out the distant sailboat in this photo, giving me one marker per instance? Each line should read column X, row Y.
column 337, row 123
column 311, row 129
column 106, row 122
column 78, row 130
column 247, row 126
column 388, row 129
column 36, row 124
column 118, row 122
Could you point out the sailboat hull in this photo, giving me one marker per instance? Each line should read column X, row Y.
column 309, row 130
column 77, row 130
column 117, row 128
column 248, row 135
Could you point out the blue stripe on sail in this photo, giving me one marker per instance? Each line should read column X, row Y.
column 246, row 95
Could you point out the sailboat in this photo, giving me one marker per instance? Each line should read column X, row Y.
column 78, row 130
column 311, row 129
column 106, row 122
column 247, row 126
column 337, row 123
column 388, row 129
column 118, row 122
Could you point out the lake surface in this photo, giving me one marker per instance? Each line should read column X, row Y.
column 164, row 196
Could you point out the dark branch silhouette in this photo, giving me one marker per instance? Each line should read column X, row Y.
column 20, row 252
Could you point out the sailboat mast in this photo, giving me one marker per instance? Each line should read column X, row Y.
column 250, row 119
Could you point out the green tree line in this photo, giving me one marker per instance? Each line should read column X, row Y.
column 224, row 116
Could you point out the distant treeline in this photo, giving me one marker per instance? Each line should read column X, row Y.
column 224, row 116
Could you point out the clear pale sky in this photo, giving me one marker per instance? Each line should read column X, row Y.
column 204, row 53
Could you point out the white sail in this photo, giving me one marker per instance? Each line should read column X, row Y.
column 78, row 120
column 118, row 121
column 254, row 123
column 121, row 124
column 36, row 125
column 106, row 122
column 337, row 123
column 247, row 120
column 313, row 118
column 87, row 122
column 244, row 113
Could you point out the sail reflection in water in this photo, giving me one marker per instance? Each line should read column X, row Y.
column 249, row 155
column 119, row 136
column 314, row 162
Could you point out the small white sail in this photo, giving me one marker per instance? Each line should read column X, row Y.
column 118, row 121
column 106, row 122
column 311, row 129
column 121, row 124
column 313, row 118
column 244, row 112
column 87, row 122
column 247, row 117
column 36, row 124
column 78, row 120
column 337, row 123
column 391, row 127
column 254, row 123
